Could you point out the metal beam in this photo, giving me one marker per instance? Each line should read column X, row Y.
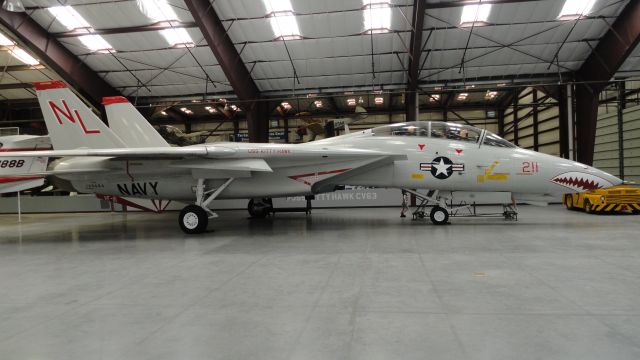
column 233, row 67
column 613, row 49
column 129, row 29
column 57, row 57
column 415, row 50
column 15, row 86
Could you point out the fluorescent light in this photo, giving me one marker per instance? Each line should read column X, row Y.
column 379, row 100
column 282, row 19
column 462, row 96
column 69, row 17
column 163, row 113
column 575, row 9
column 286, row 105
column 23, row 56
column 318, row 103
column 351, row 102
column 234, row 107
column 157, row 10
column 434, row 97
column 377, row 16
column 476, row 14
column 96, row 43
column 490, row 94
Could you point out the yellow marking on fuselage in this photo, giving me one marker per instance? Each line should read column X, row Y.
column 416, row 176
column 489, row 176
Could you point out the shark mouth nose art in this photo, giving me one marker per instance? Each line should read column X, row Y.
column 578, row 181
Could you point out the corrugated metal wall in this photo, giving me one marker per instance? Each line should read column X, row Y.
column 607, row 153
column 547, row 123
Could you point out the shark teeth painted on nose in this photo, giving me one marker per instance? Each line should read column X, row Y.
column 578, row 181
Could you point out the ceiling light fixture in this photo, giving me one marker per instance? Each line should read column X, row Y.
column 318, row 103
column 378, row 100
column 73, row 21
column 160, row 11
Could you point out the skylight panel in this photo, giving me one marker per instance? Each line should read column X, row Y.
column 157, row 10
column 73, row 21
column 475, row 15
column 69, row 17
column 575, row 9
column 17, row 52
column 160, row 11
column 377, row 16
column 177, row 37
column 23, row 56
column 282, row 19
column 96, row 43
column 5, row 41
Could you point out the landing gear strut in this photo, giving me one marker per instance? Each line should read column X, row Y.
column 194, row 219
column 260, row 208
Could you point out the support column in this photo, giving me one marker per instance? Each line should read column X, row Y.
column 586, row 113
column 563, row 122
column 536, row 141
column 515, row 118
column 258, row 122
column 621, row 107
column 411, row 105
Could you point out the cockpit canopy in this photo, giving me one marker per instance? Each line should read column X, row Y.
column 442, row 130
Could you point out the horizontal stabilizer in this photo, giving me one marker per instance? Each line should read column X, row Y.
column 9, row 184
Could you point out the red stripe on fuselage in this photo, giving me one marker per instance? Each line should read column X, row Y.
column 9, row 179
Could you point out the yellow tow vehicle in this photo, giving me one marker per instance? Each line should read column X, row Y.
column 621, row 198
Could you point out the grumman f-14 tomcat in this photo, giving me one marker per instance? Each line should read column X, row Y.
column 412, row 155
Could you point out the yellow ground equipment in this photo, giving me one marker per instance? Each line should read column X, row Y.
column 621, row 198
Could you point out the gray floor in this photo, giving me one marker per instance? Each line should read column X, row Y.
column 341, row 284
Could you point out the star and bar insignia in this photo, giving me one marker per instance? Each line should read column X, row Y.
column 441, row 167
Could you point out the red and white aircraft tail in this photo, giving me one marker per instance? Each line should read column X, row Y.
column 127, row 122
column 71, row 124
column 13, row 169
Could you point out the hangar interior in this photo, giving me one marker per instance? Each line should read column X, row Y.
column 560, row 77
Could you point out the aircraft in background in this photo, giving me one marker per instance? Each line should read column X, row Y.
column 412, row 155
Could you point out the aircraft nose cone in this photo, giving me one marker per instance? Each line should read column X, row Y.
column 579, row 177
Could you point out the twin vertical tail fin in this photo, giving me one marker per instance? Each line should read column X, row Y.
column 127, row 122
column 70, row 122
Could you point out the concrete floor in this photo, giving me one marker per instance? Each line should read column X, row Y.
column 341, row 284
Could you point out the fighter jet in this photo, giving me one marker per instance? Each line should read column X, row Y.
column 12, row 166
column 411, row 155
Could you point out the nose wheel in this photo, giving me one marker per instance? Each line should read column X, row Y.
column 439, row 215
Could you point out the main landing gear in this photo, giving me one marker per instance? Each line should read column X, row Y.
column 260, row 208
column 194, row 219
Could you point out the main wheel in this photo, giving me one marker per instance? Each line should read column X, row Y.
column 568, row 201
column 193, row 219
column 439, row 215
column 260, row 208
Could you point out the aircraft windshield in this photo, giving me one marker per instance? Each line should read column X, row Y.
column 492, row 139
column 431, row 129
column 442, row 130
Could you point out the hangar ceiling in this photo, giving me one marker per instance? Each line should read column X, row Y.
column 330, row 52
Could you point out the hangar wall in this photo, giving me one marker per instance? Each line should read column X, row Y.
column 607, row 150
column 535, row 122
